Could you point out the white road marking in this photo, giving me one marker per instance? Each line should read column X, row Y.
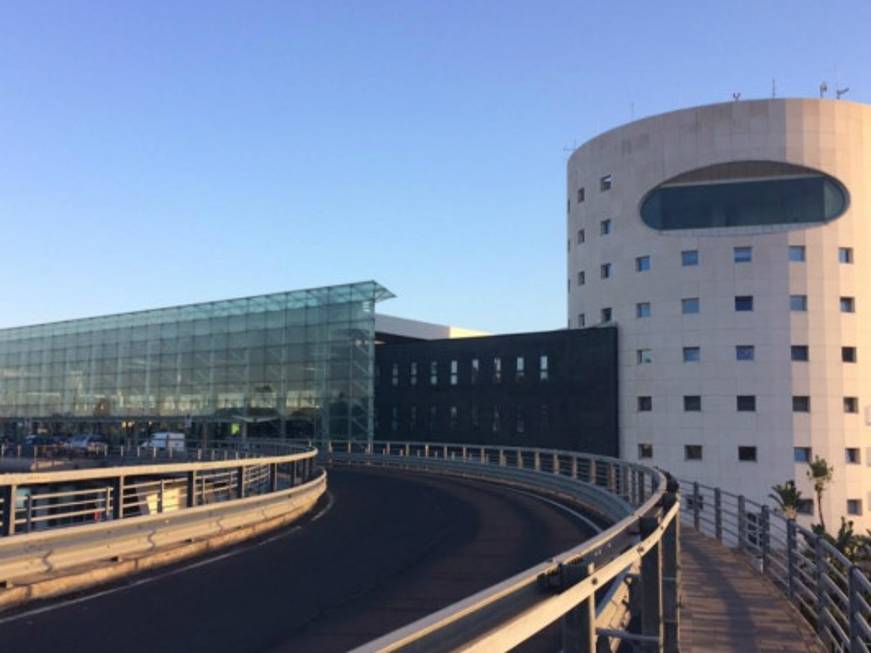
column 151, row 579
column 557, row 504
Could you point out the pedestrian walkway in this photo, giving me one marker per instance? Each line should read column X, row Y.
column 727, row 606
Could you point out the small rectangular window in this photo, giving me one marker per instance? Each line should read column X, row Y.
column 394, row 374
column 606, row 315
column 520, row 369
column 543, row 372
column 796, row 253
column 746, row 403
column 581, row 195
column 568, row 285
column 605, row 183
column 569, row 245
column 474, row 371
column 848, row 354
column 798, row 303
column 745, row 352
column 605, row 227
column 692, row 354
column 692, row 403
column 801, row 404
column 569, row 205
column 804, row 506
column 497, row 420
column 845, row 255
column 645, row 450
column 801, row 454
column 747, row 454
column 581, row 236
column 742, row 254
column 582, row 278
column 848, row 305
column 453, row 417
column 642, row 309
column 689, row 305
column 582, row 320
column 605, row 270
column 645, row 404
column 412, row 374
column 744, row 303
column 851, row 404
column 799, row 353
column 689, row 257
column 394, row 419
column 497, row 370
column 692, row 452
column 433, row 373
column 644, row 356
column 851, row 456
column 854, row 506
column 642, row 263
column 454, row 372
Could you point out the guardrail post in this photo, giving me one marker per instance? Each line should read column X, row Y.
column 579, row 623
column 764, row 525
column 592, row 471
column 624, row 482
column 612, row 478
column 820, row 573
column 9, row 494
column 697, row 499
column 29, row 510
column 574, row 467
column 555, row 463
column 273, row 477
column 537, row 460
column 465, row 454
column 651, row 585
column 240, row 482
column 519, row 454
column 191, row 498
column 854, row 600
column 790, row 558
column 118, row 497
column 160, row 496
column 425, row 451
column 718, row 514
column 742, row 523
column 671, row 574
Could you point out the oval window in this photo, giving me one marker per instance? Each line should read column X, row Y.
column 744, row 193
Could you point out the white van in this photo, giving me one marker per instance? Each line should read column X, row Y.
column 166, row 440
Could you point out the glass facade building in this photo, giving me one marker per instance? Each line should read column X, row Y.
column 300, row 360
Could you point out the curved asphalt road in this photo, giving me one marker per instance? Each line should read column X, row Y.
column 390, row 549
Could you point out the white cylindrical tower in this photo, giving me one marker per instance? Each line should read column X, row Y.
column 729, row 243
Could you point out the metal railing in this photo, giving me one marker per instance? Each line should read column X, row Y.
column 136, row 486
column 831, row 592
column 581, row 592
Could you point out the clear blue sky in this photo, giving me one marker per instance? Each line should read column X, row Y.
column 157, row 153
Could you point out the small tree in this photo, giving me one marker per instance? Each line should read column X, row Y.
column 820, row 474
column 786, row 496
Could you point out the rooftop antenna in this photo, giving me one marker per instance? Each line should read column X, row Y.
column 773, row 89
column 823, row 89
column 736, row 96
column 840, row 92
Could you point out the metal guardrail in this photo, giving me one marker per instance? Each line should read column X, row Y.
column 36, row 501
column 832, row 592
column 574, row 589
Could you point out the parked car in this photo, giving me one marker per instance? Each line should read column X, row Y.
column 88, row 444
column 166, row 440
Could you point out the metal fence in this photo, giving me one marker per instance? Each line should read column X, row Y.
column 831, row 592
column 620, row 586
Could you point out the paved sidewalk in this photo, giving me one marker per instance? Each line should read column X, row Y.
column 727, row 606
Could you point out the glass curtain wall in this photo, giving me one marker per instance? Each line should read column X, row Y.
column 302, row 358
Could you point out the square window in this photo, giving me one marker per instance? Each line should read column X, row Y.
column 747, row 454
column 799, row 353
column 801, row 404
column 851, row 404
column 582, row 278
column 845, row 255
column 642, row 309
column 798, row 302
column 692, row 354
column 581, row 195
column 796, row 253
column 692, row 452
column 848, row 354
column 606, row 315
column 744, row 302
column 605, row 227
column 645, row 450
column 689, row 257
column 642, row 263
column 851, row 455
column 745, row 352
column 582, row 320
column 804, row 506
column 605, row 183
column 582, row 236
column 689, row 305
column 645, row 404
column 692, row 403
column 743, row 254
column 848, row 305
column 801, row 454
column 854, row 506
column 605, row 270
column 644, row 356
column 746, row 403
